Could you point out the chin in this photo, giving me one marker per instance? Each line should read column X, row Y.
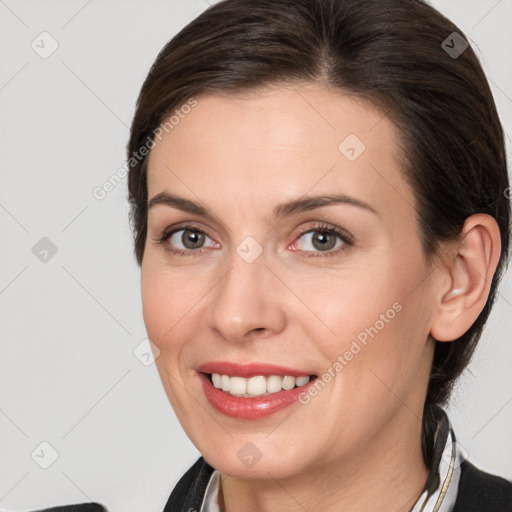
column 254, row 457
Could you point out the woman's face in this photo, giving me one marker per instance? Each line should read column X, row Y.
column 243, row 280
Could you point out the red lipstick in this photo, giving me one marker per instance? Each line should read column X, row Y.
column 250, row 407
column 250, row 369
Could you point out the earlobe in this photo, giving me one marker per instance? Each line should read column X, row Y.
column 468, row 277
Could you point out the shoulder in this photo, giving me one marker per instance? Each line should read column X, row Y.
column 482, row 492
column 82, row 507
column 188, row 494
column 190, row 490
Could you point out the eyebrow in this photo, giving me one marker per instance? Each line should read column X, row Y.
column 288, row 208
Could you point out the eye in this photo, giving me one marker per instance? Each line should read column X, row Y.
column 190, row 238
column 318, row 240
column 184, row 240
column 324, row 240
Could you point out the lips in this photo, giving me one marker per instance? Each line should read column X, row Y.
column 251, row 369
column 250, row 407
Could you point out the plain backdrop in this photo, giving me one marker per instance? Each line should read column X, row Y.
column 69, row 285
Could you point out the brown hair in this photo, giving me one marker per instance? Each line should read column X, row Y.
column 396, row 54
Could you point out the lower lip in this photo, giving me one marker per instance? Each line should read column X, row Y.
column 253, row 407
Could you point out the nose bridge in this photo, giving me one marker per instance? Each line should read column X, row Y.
column 245, row 299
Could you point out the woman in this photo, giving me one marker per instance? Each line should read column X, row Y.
column 319, row 202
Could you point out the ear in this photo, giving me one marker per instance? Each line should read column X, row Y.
column 468, row 272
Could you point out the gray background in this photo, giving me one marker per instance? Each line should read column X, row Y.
column 70, row 324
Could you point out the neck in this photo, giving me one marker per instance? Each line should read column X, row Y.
column 388, row 474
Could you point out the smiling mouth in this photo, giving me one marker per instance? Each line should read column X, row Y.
column 257, row 386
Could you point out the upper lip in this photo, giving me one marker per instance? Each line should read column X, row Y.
column 250, row 369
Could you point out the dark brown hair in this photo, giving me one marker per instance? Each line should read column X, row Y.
column 400, row 55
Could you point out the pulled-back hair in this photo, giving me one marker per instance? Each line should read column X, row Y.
column 403, row 57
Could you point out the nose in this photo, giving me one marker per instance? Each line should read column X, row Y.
column 248, row 301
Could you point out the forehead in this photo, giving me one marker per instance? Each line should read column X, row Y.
column 265, row 146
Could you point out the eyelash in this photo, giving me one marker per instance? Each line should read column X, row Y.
column 319, row 227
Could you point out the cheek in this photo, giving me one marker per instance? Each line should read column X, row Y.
column 153, row 307
column 172, row 306
column 367, row 327
column 353, row 302
column 165, row 318
column 378, row 320
column 162, row 304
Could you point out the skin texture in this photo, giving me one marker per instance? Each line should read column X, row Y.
column 357, row 444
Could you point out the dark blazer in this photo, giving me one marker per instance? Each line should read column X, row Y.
column 83, row 507
column 478, row 492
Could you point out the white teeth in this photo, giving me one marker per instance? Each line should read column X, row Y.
column 288, row 382
column 274, row 384
column 300, row 381
column 238, row 386
column 225, row 382
column 216, row 380
column 256, row 386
